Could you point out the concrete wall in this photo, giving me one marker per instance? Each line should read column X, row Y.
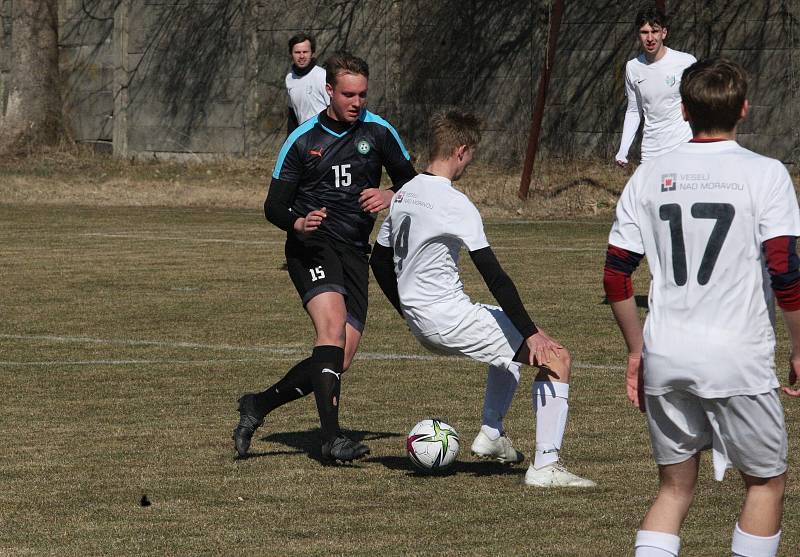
column 196, row 77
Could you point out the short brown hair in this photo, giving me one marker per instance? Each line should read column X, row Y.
column 651, row 16
column 301, row 38
column 713, row 92
column 451, row 129
column 344, row 62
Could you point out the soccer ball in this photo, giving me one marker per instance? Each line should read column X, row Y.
column 432, row 445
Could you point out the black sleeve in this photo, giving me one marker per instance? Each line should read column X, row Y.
column 278, row 206
column 382, row 263
column 396, row 160
column 502, row 288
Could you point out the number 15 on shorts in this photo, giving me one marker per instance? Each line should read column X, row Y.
column 317, row 273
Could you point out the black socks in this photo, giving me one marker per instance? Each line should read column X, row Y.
column 327, row 363
column 295, row 384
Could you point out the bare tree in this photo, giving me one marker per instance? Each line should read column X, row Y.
column 32, row 111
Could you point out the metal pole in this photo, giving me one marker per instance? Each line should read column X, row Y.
column 538, row 108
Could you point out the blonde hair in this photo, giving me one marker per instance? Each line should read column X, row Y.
column 451, row 129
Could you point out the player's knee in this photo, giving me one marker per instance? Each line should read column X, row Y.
column 774, row 486
column 565, row 358
column 563, row 365
column 332, row 334
column 680, row 491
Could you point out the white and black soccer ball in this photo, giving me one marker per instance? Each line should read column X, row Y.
column 432, row 445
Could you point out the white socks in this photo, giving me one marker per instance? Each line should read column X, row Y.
column 661, row 544
column 656, row 544
column 748, row 545
column 551, row 407
column 500, row 387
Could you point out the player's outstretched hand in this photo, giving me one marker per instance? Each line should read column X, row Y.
column 311, row 222
column 541, row 349
column 621, row 163
column 373, row 200
column 634, row 381
column 794, row 369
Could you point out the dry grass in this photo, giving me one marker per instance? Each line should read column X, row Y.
column 128, row 333
column 74, row 176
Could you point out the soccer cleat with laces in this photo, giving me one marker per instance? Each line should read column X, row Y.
column 555, row 475
column 250, row 419
column 344, row 449
column 501, row 449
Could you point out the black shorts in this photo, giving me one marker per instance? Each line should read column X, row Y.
column 319, row 264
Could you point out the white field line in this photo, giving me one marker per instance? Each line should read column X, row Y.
column 53, row 363
column 543, row 248
column 281, row 242
column 184, row 239
column 274, row 351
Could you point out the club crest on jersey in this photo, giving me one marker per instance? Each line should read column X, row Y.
column 670, row 80
column 315, row 152
column 668, row 182
column 398, row 197
column 363, row 147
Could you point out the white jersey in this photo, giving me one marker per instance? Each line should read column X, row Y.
column 428, row 223
column 653, row 91
column 700, row 215
column 307, row 95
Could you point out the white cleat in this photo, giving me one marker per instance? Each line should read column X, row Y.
column 555, row 475
column 501, row 449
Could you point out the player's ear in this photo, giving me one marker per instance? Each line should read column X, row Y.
column 663, row 33
column 329, row 89
column 685, row 113
column 460, row 150
column 745, row 110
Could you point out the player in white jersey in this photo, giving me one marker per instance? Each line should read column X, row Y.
column 718, row 224
column 652, row 82
column 415, row 261
column 305, row 83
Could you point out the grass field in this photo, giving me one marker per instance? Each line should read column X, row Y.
column 128, row 333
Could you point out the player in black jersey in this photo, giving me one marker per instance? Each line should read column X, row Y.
column 325, row 193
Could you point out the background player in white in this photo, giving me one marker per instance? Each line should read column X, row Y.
column 305, row 82
column 717, row 223
column 428, row 223
column 652, row 82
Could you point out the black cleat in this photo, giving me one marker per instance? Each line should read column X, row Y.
column 249, row 420
column 344, row 449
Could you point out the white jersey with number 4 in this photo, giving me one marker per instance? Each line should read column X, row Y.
column 428, row 223
column 700, row 215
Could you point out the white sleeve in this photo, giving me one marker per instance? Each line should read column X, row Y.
column 385, row 232
column 466, row 224
column 780, row 215
column 632, row 120
column 626, row 232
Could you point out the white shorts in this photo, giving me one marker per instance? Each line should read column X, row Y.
column 745, row 432
column 485, row 333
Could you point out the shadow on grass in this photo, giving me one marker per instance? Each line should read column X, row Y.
column 474, row 467
column 308, row 442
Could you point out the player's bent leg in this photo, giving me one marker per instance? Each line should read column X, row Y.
column 253, row 407
column 491, row 443
column 758, row 531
